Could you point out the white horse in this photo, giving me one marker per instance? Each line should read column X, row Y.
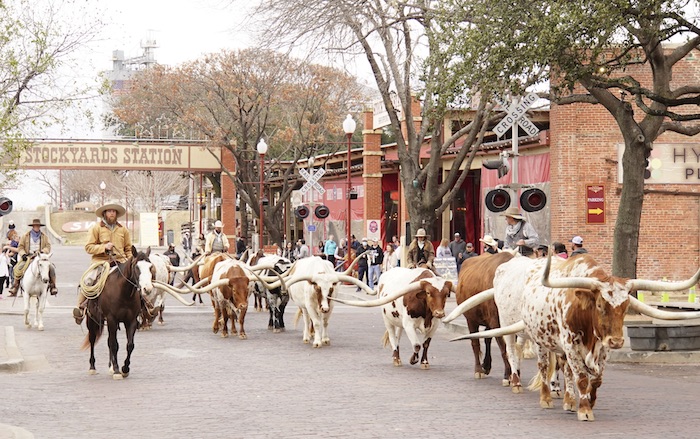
column 35, row 283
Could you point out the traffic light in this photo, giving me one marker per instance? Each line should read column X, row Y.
column 322, row 212
column 301, row 212
column 497, row 200
column 500, row 163
column 533, row 200
column 5, row 206
column 647, row 169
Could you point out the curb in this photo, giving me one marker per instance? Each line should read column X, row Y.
column 15, row 361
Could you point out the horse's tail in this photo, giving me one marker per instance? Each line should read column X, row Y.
column 98, row 328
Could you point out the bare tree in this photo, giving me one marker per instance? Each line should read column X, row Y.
column 395, row 38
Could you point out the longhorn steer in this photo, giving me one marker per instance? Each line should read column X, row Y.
column 277, row 299
column 578, row 315
column 413, row 300
column 475, row 276
column 229, row 296
column 157, row 295
column 311, row 282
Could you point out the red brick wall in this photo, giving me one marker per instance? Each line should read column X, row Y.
column 228, row 198
column 584, row 151
column 372, row 172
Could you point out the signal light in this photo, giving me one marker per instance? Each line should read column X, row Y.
column 497, row 200
column 301, row 212
column 501, row 164
column 322, row 212
column 5, row 206
column 533, row 200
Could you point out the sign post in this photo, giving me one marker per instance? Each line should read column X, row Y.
column 516, row 117
column 312, row 184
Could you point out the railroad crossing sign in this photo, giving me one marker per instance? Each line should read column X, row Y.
column 516, row 114
column 312, row 179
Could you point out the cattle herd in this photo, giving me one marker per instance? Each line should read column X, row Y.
column 571, row 310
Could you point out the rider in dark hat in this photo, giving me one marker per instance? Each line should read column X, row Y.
column 32, row 243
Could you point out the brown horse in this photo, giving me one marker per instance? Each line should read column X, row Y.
column 120, row 302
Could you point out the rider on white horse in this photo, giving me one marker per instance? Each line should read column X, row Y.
column 108, row 241
column 31, row 244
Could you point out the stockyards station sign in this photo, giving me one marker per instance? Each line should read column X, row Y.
column 139, row 155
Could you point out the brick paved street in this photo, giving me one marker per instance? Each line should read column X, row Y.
column 187, row 382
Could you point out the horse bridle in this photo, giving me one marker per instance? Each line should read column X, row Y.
column 117, row 263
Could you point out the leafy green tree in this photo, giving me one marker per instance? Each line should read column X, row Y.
column 585, row 50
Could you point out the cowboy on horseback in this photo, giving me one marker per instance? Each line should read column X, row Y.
column 30, row 245
column 108, row 241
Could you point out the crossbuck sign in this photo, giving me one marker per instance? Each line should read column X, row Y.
column 312, row 179
column 516, row 114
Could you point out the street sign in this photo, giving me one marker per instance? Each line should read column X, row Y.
column 516, row 114
column 595, row 204
column 311, row 228
column 312, row 179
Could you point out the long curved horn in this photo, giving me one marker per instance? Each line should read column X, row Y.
column 187, row 290
column 294, row 279
column 413, row 286
column 349, row 270
column 497, row 332
column 663, row 315
column 187, row 268
column 169, row 288
column 470, row 303
column 179, row 298
column 263, row 279
column 588, row 283
column 355, row 281
column 653, row 285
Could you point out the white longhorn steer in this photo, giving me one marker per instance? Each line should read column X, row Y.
column 413, row 300
column 311, row 282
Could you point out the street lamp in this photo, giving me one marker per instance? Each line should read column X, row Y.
column 349, row 128
column 262, row 150
column 103, row 186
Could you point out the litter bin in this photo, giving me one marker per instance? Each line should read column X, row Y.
column 171, row 237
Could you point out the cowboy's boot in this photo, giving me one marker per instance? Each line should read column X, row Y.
column 15, row 286
column 79, row 312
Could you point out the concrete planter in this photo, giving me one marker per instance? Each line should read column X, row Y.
column 650, row 337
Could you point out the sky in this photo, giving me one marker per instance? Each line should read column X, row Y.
column 183, row 30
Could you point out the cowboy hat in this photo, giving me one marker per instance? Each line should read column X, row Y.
column 488, row 240
column 36, row 222
column 218, row 223
column 101, row 210
column 513, row 212
column 420, row 233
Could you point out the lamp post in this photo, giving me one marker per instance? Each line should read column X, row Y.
column 349, row 128
column 262, row 150
column 103, row 186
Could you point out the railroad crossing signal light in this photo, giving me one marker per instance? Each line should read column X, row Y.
column 501, row 164
column 301, row 212
column 5, row 206
column 533, row 200
column 497, row 200
column 322, row 212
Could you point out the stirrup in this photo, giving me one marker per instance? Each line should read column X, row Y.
column 78, row 315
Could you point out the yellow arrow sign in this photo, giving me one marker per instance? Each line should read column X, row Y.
column 596, row 211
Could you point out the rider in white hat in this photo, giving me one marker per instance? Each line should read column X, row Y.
column 217, row 242
column 421, row 252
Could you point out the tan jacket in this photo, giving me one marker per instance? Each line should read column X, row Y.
column 100, row 234
column 44, row 244
column 210, row 242
column 428, row 252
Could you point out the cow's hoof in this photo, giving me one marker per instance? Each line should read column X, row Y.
column 40, row 327
column 479, row 375
column 243, row 336
column 161, row 323
column 215, row 330
column 224, row 335
column 505, row 382
column 397, row 362
column 270, row 327
column 585, row 416
column 557, row 394
column 117, row 376
column 425, row 366
column 92, row 372
column 547, row 404
column 276, row 331
column 125, row 374
column 317, row 345
column 326, row 342
column 306, row 341
column 517, row 389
